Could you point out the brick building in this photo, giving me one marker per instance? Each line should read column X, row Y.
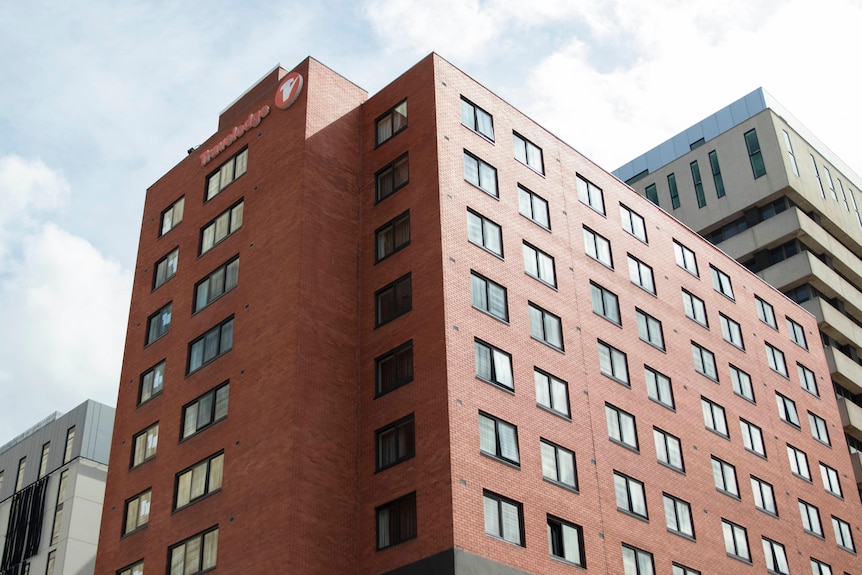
column 453, row 345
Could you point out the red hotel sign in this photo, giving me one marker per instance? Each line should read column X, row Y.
column 285, row 95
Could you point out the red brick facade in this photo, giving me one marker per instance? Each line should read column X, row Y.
column 300, row 486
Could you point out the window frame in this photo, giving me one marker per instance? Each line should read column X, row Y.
column 674, row 191
column 154, row 331
column 731, row 331
column 680, row 508
column 149, row 445
column 220, row 329
column 590, row 194
column 819, row 429
column 538, row 259
column 592, row 242
column 629, row 217
column 398, row 307
column 612, row 354
column 208, row 488
column 693, row 307
column 714, row 417
column 408, row 423
column 725, row 477
column 742, row 386
column 394, row 355
column 765, row 312
column 704, row 353
column 664, row 454
column 557, row 450
column 721, row 282
column 797, row 333
column 380, row 251
column 843, row 534
column 212, row 396
column 493, row 191
column 775, row 556
column 657, row 389
column 527, row 197
column 821, row 567
column 529, row 151
column 224, row 271
column 804, row 382
column 552, row 383
column 793, row 456
column 638, row 556
column 404, row 532
column 160, row 276
column 233, row 218
column 607, row 302
column 387, row 180
column 787, row 411
column 171, row 224
column 752, row 437
column 217, row 175
column 772, row 355
column 755, row 154
column 500, row 500
column 156, row 385
column 548, row 322
column 476, row 117
column 68, row 449
column 735, row 531
column 557, row 541
column 485, row 237
column 716, row 174
column 831, row 480
column 202, row 550
column 685, row 257
column 764, row 496
column 635, row 503
column 141, row 512
column 136, row 568
column 499, row 448
column 616, row 427
column 638, row 271
column 697, row 181
column 647, row 326
column 488, row 292
column 810, row 514
column 494, row 379
column 392, row 114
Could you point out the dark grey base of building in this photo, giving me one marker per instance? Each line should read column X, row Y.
column 456, row 562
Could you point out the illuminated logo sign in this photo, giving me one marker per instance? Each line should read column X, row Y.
column 288, row 90
column 252, row 121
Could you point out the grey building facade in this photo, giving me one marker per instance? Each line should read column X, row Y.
column 52, row 485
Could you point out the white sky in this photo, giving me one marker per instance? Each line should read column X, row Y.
column 100, row 98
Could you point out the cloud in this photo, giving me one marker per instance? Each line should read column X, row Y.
column 65, row 305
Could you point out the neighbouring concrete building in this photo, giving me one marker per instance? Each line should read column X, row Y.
column 454, row 345
column 52, row 484
column 756, row 183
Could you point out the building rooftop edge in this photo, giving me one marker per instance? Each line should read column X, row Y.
column 41, row 425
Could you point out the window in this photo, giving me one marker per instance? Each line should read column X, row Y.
column 137, row 512
column 489, row 297
column 807, row 379
column 752, row 437
column 765, row 312
column 683, row 570
column 49, row 568
column 558, row 465
column 70, row 443
column 633, row 223
column 145, row 444
column 396, row 521
column 677, row 514
column 621, row 427
column 758, row 168
column 590, row 194
column 694, row 308
column 216, row 284
column 43, row 463
column 798, row 462
column 630, row 495
column 223, row 226
column 528, row 153
column 19, row 481
column 735, row 540
column 396, row 442
column 393, row 300
column 668, row 449
column 546, row 327
column 818, row 567
column 58, row 510
column 212, row 344
column 158, row 324
column 484, row 233
column 552, row 393
column 391, row 122
column 477, row 119
column 652, row 193
column 539, row 265
column 843, row 534
column 566, row 541
column 136, row 569
column 533, row 206
column 1, row 478
column 787, row 410
column 392, row 236
column 704, row 361
column 605, row 303
column 394, row 368
column 764, row 496
column 674, row 191
column 206, row 410
column 797, row 334
column 830, row 480
column 498, row 439
column 713, row 417
column 641, row 274
column 226, row 174
column 731, row 331
column 649, row 329
column 775, row 357
column 503, row 518
column 201, row 479
column 698, row 184
column 685, row 258
column 172, row 216
column 810, row 518
column 392, row 178
column 741, row 383
column 819, row 430
column 613, row 363
column 721, row 282
column 716, row 174
column 724, row 475
column 166, row 268
column 152, row 382
column 493, row 365
column 831, row 183
column 792, row 163
column 658, row 387
column 195, row 554
column 480, row 174
column 776, row 558
column 637, row 561
column 598, row 247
